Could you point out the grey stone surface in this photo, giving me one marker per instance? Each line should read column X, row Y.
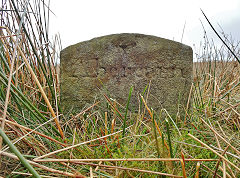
column 112, row 64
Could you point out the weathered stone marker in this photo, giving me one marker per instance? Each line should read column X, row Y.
column 116, row 62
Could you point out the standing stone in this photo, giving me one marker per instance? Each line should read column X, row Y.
column 112, row 64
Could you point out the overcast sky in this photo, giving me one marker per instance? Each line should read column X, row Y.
column 80, row 20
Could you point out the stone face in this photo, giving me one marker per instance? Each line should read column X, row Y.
column 112, row 64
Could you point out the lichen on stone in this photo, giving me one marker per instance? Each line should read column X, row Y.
column 112, row 64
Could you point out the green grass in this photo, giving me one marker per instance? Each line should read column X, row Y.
column 146, row 134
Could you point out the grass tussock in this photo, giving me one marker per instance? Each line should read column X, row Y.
column 37, row 139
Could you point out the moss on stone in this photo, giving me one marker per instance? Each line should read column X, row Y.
column 120, row 61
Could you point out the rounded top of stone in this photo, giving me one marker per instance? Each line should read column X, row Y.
column 127, row 41
column 112, row 64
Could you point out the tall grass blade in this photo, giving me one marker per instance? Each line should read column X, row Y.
column 43, row 94
column 220, row 37
column 172, row 121
column 33, row 109
column 169, row 137
column 19, row 155
column 35, row 51
column 126, row 111
column 155, row 134
column 16, row 43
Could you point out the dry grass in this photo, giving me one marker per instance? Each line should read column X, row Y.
column 92, row 143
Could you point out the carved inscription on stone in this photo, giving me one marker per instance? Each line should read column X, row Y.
column 112, row 64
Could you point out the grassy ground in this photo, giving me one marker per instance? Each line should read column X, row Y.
column 109, row 142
